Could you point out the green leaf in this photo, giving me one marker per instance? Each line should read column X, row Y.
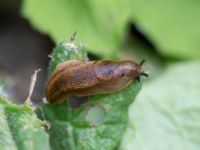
column 166, row 113
column 20, row 129
column 65, row 50
column 172, row 25
column 97, row 124
column 100, row 23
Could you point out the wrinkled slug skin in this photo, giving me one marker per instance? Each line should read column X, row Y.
column 85, row 78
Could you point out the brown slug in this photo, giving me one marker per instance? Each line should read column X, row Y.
column 85, row 78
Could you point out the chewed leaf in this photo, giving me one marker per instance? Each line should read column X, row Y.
column 97, row 124
column 77, row 129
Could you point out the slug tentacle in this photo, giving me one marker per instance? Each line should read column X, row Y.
column 144, row 74
column 142, row 62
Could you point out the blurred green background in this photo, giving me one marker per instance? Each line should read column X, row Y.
column 164, row 32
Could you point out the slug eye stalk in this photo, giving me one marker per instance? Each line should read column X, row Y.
column 144, row 74
column 142, row 62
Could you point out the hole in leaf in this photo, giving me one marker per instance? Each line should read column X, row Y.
column 95, row 114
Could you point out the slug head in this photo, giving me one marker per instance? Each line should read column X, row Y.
column 130, row 70
column 118, row 75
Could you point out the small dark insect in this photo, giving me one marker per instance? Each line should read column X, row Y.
column 85, row 78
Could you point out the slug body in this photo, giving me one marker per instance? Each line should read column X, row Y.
column 85, row 78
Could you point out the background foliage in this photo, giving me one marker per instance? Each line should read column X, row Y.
column 173, row 25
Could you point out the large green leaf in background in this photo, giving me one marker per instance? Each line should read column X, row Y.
column 172, row 25
column 166, row 114
column 98, row 124
column 20, row 129
column 100, row 23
